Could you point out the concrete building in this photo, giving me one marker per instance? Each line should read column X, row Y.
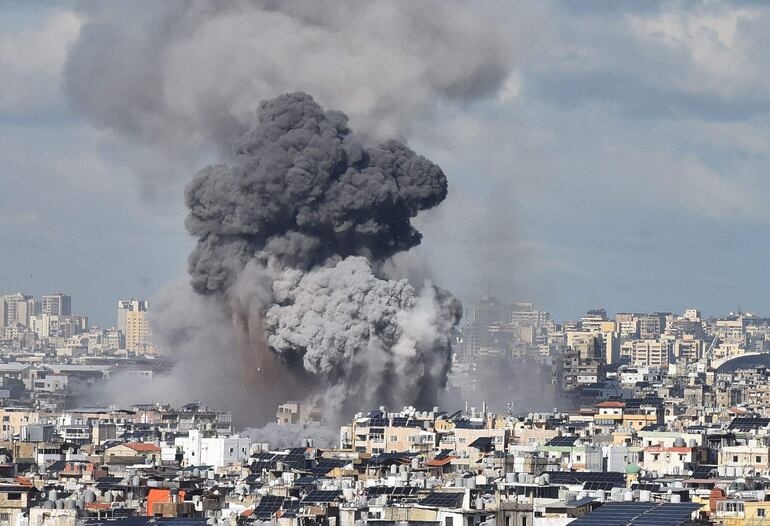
column 126, row 306
column 56, row 304
column 138, row 333
column 212, row 451
column 650, row 353
column 18, row 308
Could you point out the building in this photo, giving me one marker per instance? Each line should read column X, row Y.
column 138, row 333
column 18, row 308
column 650, row 353
column 133, row 322
column 297, row 413
column 212, row 451
column 126, row 306
column 56, row 304
column 687, row 350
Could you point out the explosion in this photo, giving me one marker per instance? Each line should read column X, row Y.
column 291, row 239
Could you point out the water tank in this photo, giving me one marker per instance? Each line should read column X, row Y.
column 415, row 463
column 89, row 497
column 679, row 442
column 645, row 495
column 628, row 496
column 599, row 495
column 196, row 473
column 510, row 478
column 136, row 480
column 546, row 478
column 60, row 504
column 80, row 503
column 108, row 497
column 69, row 504
column 404, row 476
column 729, row 471
column 393, row 469
column 522, row 478
column 676, row 497
column 53, row 495
column 49, row 505
column 471, row 483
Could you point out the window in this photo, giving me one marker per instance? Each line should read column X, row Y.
column 735, row 458
column 524, row 521
column 449, row 521
column 14, row 496
column 759, row 459
column 760, row 512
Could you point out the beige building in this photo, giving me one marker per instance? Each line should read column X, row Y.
column 687, row 350
column 14, row 419
column 649, row 353
column 138, row 334
column 297, row 413
column 751, row 456
column 386, row 438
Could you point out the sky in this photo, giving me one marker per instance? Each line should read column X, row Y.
column 599, row 154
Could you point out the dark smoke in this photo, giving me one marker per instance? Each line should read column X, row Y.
column 291, row 238
column 305, row 188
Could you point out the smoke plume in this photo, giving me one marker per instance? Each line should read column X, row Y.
column 172, row 85
column 177, row 81
column 290, row 240
column 281, row 436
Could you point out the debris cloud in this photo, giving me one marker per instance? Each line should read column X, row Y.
column 291, row 240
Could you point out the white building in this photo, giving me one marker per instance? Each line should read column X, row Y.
column 216, row 451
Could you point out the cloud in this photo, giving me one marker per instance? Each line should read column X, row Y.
column 31, row 58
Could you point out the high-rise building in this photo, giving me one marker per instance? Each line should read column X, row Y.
column 489, row 311
column 56, row 304
column 138, row 333
column 651, row 353
column 527, row 314
column 126, row 306
column 18, row 308
column 132, row 321
column 593, row 319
